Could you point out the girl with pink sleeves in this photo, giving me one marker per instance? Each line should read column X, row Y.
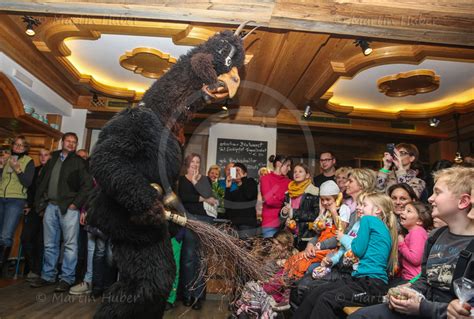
column 416, row 219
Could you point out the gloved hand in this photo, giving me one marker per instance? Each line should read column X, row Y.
column 154, row 216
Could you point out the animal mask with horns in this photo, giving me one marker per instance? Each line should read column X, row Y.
column 207, row 74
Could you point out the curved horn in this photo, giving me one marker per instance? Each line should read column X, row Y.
column 250, row 32
column 242, row 26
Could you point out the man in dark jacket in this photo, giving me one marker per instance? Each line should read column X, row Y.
column 240, row 203
column 63, row 187
column 32, row 234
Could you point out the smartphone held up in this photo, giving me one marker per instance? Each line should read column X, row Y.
column 391, row 149
column 233, row 172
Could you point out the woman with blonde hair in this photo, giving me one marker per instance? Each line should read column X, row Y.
column 341, row 176
column 214, row 172
column 16, row 175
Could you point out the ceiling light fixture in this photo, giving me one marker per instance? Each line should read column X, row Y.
column 434, row 122
column 30, row 24
column 364, row 45
column 307, row 111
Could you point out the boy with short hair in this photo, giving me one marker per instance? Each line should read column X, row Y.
column 446, row 256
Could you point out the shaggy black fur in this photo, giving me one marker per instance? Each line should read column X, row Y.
column 137, row 147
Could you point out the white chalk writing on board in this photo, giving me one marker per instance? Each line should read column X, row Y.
column 252, row 154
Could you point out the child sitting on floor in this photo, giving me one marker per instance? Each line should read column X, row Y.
column 344, row 254
column 331, row 219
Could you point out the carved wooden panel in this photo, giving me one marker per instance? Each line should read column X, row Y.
column 149, row 62
column 408, row 83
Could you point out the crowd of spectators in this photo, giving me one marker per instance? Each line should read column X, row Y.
column 358, row 237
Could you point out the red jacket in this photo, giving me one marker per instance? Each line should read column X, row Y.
column 273, row 188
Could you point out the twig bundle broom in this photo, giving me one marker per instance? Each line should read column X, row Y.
column 224, row 256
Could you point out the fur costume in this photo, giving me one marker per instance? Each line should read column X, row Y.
column 143, row 145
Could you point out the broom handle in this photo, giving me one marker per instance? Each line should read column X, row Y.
column 175, row 218
column 170, row 199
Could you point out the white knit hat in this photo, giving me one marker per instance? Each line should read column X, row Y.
column 329, row 188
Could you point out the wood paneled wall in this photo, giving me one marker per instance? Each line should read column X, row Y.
column 346, row 147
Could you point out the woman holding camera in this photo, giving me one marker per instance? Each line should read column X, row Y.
column 16, row 171
column 397, row 169
column 240, row 203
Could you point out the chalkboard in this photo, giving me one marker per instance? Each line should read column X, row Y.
column 252, row 154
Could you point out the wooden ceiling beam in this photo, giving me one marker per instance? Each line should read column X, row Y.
column 449, row 22
column 265, row 47
column 297, row 52
column 404, row 21
column 319, row 75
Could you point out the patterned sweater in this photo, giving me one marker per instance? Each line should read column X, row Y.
column 384, row 180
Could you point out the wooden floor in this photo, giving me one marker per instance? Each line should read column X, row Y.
column 18, row 300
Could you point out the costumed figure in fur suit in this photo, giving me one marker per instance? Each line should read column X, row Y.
column 141, row 146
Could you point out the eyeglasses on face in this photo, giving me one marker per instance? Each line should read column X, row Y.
column 18, row 145
column 403, row 153
column 325, row 159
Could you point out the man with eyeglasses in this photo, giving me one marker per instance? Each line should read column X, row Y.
column 63, row 187
column 327, row 162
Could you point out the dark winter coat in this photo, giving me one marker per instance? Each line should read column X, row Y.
column 306, row 213
column 75, row 183
column 309, row 205
column 240, row 203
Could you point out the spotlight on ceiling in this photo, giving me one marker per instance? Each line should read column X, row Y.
column 434, row 122
column 307, row 111
column 364, row 45
column 30, row 24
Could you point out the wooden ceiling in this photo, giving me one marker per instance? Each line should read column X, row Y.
column 444, row 22
column 301, row 50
